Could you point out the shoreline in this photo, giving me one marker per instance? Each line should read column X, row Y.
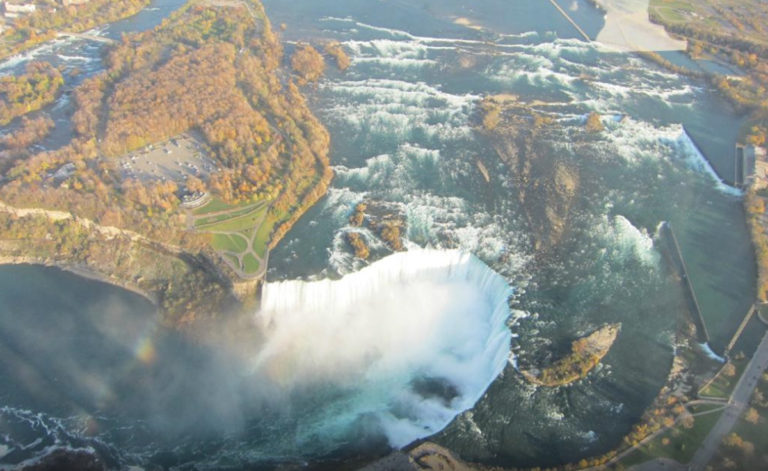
column 83, row 272
column 628, row 28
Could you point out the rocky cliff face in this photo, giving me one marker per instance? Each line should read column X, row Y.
column 545, row 183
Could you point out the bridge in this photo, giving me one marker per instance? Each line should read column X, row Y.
column 570, row 20
column 743, row 325
column 87, row 37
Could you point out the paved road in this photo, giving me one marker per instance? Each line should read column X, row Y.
column 660, row 464
column 737, row 403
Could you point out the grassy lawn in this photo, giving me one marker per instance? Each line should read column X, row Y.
column 215, row 205
column 250, row 264
column 229, row 242
column 211, row 207
column 261, row 239
column 723, row 385
column 212, row 222
column 755, row 434
column 699, row 408
column 235, row 228
column 674, row 11
column 743, row 18
column 681, row 445
column 232, row 259
column 206, row 221
column 241, row 222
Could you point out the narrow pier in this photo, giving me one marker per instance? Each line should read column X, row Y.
column 743, row 324
column 676, row 260
column 570, row 20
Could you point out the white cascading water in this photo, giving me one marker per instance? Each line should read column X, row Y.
column 423, row 317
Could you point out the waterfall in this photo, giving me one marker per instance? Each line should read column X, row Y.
column 412, row 340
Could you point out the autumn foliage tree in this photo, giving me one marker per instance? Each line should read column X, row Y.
column 335, row 50
column 307, row 63
column 37, row 87
column 208, row 70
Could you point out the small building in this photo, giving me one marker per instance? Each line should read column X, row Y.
column 64, row 172
column 15, row 9
column 194, row 200
column 72, row 2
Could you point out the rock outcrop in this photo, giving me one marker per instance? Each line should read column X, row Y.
column 545, row 183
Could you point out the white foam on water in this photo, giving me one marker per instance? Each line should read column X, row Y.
column 32, row 54
column 67, row 58
column 710, row 353
column 400, row 109
column 627, row 242
column 696, row 160
column 635, row 141
column 387, row 48
column 421, row 315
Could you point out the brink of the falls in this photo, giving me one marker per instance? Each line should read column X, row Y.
column 409, row 342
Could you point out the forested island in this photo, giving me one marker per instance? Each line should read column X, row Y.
column 586, row 353
column 212, row 74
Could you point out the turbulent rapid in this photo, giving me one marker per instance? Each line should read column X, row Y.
column 413, row 340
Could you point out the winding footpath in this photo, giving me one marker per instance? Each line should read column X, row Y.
column 736, row 405
column 738, row 401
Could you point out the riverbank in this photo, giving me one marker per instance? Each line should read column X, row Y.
column 84, row 211
column 628, row 28
column 83, row 272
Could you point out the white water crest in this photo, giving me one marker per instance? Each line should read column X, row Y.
column 699, row 162
column 412, row 340
column 711, row 353
column 627, row 242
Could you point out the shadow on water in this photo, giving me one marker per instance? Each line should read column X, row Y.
column 93, row 363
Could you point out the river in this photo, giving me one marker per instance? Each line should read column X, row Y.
column 401, row 119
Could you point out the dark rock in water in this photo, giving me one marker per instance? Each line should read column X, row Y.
column 357, row 242
column 435, row 388
column 68, row 460
column 386, row 220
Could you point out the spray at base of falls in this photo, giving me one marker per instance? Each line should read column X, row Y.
column 413, row 339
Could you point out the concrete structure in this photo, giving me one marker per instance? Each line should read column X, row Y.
column 749, row 165
column 737, row 403
column 675, row 257
column 627, row 28
column 195, row 200
column 16, row 9
column 570, row 20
